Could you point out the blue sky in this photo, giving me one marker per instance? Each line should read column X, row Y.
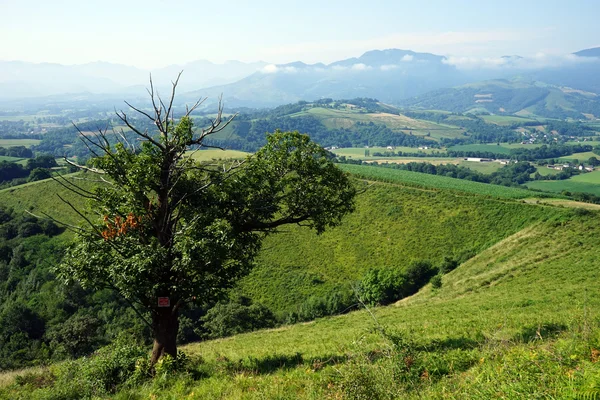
column 156, row 33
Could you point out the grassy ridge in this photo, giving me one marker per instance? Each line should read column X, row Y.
column 417, row 179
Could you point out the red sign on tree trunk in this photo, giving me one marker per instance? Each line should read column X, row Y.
column 164, row 302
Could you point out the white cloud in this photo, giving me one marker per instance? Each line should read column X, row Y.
column 388, row 67
column 538, row 60
column 407, row 58
column 270, row 69
column 361, row 67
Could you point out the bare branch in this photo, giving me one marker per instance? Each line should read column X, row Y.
column 94, row 170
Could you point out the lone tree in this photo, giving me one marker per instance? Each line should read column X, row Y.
column 164, row 230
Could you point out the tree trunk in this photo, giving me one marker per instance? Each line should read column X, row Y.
column 165, row 323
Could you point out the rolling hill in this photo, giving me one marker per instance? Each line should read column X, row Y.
column 516, row 319
column 517, row 96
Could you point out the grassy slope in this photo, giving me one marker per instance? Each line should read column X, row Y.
column 334, row 119
column 392, row 226
column 588, row 183
column 516, row 321
column 436, row 182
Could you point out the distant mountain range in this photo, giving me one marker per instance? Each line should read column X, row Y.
column 517, row 96
column 393, row 76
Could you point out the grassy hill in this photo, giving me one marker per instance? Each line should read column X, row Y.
column 347, row 118
column 509, row 99
column 517, row 319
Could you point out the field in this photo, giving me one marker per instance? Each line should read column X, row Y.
column 19, row 142
column 436, row 182
column 10, row 159
column 581, row 157
column 503, row 148
column 216, row 154
column 585, row 183
column 334, row 119
column 505, row 119
column 358, row 153
column 484, row 168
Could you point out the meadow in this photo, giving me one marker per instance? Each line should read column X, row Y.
column 502, row 148
column 435, row 182
column 505, row 119
column 19, row 142
column 584, row 183
column 334, row 119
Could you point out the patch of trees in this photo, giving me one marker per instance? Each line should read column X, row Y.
column 16, row 151
column 35, row 169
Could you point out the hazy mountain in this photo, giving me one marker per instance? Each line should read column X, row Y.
column 23, row 79
column 392, row 76
column 593, row 52
column 389, row 75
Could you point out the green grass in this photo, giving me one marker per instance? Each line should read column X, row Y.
column 216, row 154
column 581, row 157
column 484, row 168
column 334, row 119
column 19, row 142
column 434, row 182
column 517, row 321
column 503, row 148
column 505, row 119
column 10, row 159
column 41, row 197
column 358, row 153
column 586, row 183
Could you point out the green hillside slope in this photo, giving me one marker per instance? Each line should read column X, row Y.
column 518, row 319
column 395, row 224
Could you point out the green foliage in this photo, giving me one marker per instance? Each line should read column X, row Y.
column 227, row 319
column 438, row 182
column 384, row 286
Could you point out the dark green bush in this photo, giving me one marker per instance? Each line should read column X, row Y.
column 227, row 319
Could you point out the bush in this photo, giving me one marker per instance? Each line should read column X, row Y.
column 436, row 281
column 227, row 319
column 382, row 286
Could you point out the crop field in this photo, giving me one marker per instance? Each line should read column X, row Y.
column 483, row 167
column 581, row 157
column 10, row 159
column 358, row 153
column 334, row 119
column 505, row 119
column 19, row 142
column 503, row 148
column 585, row 183
column 216, row 154
column 434, row 181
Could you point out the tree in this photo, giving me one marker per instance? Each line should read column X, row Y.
column 165, row 230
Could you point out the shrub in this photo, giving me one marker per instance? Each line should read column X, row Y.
column 226, row 319
column 436, row 281
column 382, row 286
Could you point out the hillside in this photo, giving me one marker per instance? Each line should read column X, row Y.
column 519, row 97
column 516, row 320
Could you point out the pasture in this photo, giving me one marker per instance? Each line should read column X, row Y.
column 19, row 142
